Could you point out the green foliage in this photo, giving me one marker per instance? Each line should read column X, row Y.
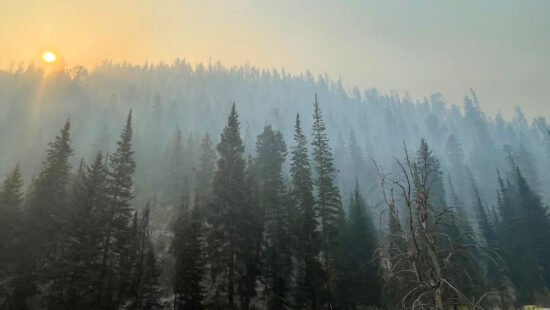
column 328, row 200
column 271, row 152
column 309, row 270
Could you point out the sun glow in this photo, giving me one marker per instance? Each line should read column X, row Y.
column 49, row 57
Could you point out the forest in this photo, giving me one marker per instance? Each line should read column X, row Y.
column 172, row 186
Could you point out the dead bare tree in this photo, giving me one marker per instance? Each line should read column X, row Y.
column 413, row 258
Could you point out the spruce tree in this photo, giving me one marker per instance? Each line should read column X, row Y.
column 48, row 202
column 536, row 218
column 83, row 258
column 271, row 152
column 176, row 171
column 11, row 198
column 144, row 290
column 516, row 246
column 204, row 174
column 250, row 244
column 328, row 198
column 47, row 219
column 485, row 224
column 188, row 250
column 361, row 244
column 308, row 243
column 116, row 237
column 228, row 215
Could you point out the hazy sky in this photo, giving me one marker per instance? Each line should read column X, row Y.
column 500, row 48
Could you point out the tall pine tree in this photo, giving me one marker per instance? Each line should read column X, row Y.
column 361, row 243
column 11, row 198
column 271, row 151
column 328, row 199
column 188, row 250
column 116, row 239
column 308, row 244
column 230, row 219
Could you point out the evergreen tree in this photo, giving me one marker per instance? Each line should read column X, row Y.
column 485, row 224
column 229, row 217
column 176, row 173
column 308, row 247
column 49, row 198
column 144, row 291
column 250, row 244
column 361, row 243
column 11, row 198
column 204, row 174
column 537, row 221
column 83, row 257
column 46, row 227
column 520, row 245
column 271, row 151
column 188, row 251
column 116, row 240
column 328, row 198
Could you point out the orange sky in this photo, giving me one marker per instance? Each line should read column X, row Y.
column 500, row 48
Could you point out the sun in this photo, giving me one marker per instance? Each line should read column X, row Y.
column 49, row 57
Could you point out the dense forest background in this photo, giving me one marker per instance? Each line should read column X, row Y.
column 256, row 189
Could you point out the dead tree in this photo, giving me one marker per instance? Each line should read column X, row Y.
column 413, row 261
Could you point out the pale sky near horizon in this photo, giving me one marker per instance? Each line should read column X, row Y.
column 499, row 48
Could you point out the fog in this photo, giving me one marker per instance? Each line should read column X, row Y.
column 174, row 105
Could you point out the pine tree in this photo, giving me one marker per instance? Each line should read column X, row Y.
column 309, row 269
column 83, row 257
column 228, row 216
column 47, row 219
column 11, row 198
column 144, row 291
column 49, row 198
column 485, row 224
column 204, row 175
column 328, row 197
column 250, row 244
column 271, row 151
column 521, row 230
column 361, row 243
column 537, row 220
column 116, row 240
column 188, row 251
column 176, row 173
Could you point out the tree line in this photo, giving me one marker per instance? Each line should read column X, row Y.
column 249, row 235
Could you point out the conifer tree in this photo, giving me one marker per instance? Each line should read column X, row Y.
column 250, row 244
column 229, row 216
column 308, row 267
column 176, row 173
column 204, row 174
column 144, row 292
column 271, row 152
column 534, row 215
column 361, row 243
column 11, row 198
column 48, row 202
column 328, row 197
column 83, row 257
column 116, row 239
column 485, row 223
column 517, row 248
column 188, row 250
column 46, row 226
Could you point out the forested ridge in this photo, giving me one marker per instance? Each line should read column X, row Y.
column 206, row 187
